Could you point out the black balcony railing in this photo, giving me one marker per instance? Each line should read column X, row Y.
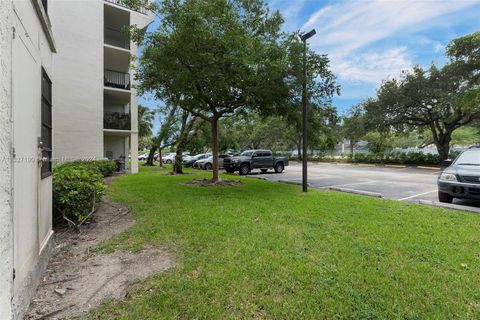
column 115, row 79
column 122, row 3
column 116, row 120
column 116, row 38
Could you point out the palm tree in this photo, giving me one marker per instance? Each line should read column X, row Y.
column 145, row 121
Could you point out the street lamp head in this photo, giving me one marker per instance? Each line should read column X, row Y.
column 308, row 35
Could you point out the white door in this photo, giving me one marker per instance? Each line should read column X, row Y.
column 26, row 73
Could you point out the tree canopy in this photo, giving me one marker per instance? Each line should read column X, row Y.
column 145, row 121
column 439, row 99
column 216, row 57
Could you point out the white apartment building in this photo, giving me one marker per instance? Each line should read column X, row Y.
column 66, row 91
column 96, row 114
column 26, row 82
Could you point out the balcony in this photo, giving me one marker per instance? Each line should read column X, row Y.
column 117, row 80
column 116, row 121
column 116, row 38
column 121, row 3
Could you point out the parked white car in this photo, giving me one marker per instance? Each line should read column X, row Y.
column 207, row 163
column 169, row 158
column 143, row 156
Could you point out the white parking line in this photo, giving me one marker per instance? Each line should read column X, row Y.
column 349, row 184
column 417, row 195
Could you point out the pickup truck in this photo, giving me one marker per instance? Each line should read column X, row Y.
column 255, row 159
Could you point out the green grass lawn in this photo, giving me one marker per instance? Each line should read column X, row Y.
column 266, row 250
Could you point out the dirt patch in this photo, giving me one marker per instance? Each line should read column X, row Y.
column 77, row 280
column 210, row 183
column 170, row 173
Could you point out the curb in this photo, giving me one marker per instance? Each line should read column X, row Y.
column 449, row 206
column 395, row 166
column 429, row 168
column 280, row 181
column 378, row 165
column 291, row 182
column 359, row 192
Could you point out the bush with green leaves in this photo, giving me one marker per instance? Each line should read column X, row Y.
column 105, row 167
column 77, row 187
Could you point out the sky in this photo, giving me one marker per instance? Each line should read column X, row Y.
column 368, row 41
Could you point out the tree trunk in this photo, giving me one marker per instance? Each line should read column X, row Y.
column 214, row 125
column 299, row 150
column 177, row 165
column 351, row 147
column 442, row 142
column 160, row 157
column 150, row 156
column 443, row 148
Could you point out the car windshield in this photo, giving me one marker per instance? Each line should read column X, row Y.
column 469, row 158
column 247, row 153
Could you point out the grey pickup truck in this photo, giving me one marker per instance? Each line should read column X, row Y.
column 255, row 159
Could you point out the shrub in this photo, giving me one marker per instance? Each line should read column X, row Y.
column 417, row 158
column 105, row 167
column 78, row 186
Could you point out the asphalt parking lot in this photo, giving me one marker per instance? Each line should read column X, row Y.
column 399, row 183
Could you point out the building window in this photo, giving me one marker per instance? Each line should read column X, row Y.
column 46, row 125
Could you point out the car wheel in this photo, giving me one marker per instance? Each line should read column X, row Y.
column 279, row 167
column 208, row 166
column 264, row 170
column 168, row 161
column 244, row 169
column 444, row 197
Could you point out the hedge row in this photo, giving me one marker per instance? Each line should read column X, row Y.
column 78, row 186
column 418, row 158
column 412, row 158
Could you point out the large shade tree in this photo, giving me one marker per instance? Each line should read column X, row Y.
column 438, row 99
column 321, row 86
column 354, row 126
column 213, row 57
column 166, row 134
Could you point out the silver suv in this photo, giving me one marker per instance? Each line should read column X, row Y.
column 462, row 178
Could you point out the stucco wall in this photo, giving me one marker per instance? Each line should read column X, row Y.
column 78, row 117
column 6, row 244
column 116, row 145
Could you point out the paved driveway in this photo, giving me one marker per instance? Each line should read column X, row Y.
column 405, row 184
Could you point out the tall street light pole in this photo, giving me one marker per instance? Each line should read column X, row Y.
column 304, row 38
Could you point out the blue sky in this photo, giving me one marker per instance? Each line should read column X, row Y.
column 372, row 40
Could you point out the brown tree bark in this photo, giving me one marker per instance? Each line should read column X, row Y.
column 150, row 156
column 214, row 127
column 160, row 159
column 299, row 149
column 442, row 138
column 187, row 130
column 178, row 164
column 443, row 145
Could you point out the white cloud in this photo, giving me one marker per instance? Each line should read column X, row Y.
column 346, row 31
column 346, row 26
column 290, row 11
column 436, row 46
column 372, row 67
